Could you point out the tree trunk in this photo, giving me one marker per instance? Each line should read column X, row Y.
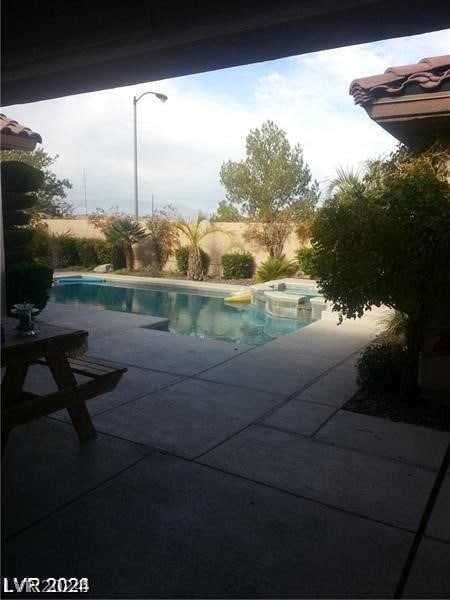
column 414, row 339
column 195, row 267
column 129, row 258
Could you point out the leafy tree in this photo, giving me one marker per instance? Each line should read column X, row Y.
column 162, row 236
column 195, row 231
column 52, row 193
column 273, row 177
column 272, row 184
column 272, row 235
column 387, row 241
column 227, row 213
column 125, row 231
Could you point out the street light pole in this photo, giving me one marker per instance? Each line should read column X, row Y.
column 163, row 98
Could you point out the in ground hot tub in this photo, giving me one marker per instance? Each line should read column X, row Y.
column 289, row 298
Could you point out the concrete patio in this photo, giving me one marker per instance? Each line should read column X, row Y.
column 224, row 471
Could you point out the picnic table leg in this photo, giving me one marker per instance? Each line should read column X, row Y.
column 12, row 385
column 64, row 378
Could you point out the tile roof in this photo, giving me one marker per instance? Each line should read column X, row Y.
column 13, row 128
column 429, row 74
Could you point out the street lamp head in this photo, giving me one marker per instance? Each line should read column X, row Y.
column 161, row 97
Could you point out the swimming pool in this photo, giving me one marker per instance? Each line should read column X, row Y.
column 202, row 314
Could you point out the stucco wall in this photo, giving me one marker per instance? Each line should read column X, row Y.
column 215, row 244
column 77, row 227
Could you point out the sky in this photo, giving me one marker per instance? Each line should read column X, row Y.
column 183, row 143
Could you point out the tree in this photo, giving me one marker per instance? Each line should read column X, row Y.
column 227, row 213
column 273, row 177
column 162, row 236
column 386, row 241
column 125, row 231
column 51, row 196
column 272, row 184
column 195, row 231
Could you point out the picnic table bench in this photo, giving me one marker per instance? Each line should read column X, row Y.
column 56, row 348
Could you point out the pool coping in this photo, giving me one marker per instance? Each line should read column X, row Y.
column 160, row 281
column 187, row 284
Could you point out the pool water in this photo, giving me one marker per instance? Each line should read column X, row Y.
column 203, row 315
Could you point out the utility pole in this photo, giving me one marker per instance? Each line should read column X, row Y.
column 85, row 197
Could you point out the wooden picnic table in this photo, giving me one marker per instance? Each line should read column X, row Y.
column 55, row 347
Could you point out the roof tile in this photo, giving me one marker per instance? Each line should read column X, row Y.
column 11, row 127
column 428, row 73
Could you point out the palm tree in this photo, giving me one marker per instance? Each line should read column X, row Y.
column 195, row 231
column 125, row 231
column 346, row 180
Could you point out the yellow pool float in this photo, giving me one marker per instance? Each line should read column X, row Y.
column 245, row 296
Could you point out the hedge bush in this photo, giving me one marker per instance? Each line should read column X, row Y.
column 304, row 258
column 86, row 252
column 64, row 250
column 182, row 257
column 381, row 366
column 238, row 265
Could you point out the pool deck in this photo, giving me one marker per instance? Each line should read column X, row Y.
column 224, row 471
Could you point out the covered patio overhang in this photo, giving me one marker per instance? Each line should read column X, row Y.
column 54, row 49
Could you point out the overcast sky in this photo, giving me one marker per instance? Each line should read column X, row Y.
column 183, row 142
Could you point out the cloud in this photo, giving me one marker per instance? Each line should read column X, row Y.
column 182, row 143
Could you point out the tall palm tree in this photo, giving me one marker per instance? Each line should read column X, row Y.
column 125, row 231
column 195, row 231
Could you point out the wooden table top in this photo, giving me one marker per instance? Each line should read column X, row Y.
column 49, row 339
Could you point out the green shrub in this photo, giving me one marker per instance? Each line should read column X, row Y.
column 64, row 250
column 276, row 268
column 381, row 366
column 182, row 257
column 238, row 265
column 118, row 259
column 87, row 252
column 304, row 258
column 108, row 253
column 397, row 325
column 40, row 245
column 104, row 251
column 28, row 282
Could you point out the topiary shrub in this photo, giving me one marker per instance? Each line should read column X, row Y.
column 28, row 282
column 238, row 265
column 276, row 268
column 41, row 244
column 182, row 258
column 381, row 367
column 304, row 258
